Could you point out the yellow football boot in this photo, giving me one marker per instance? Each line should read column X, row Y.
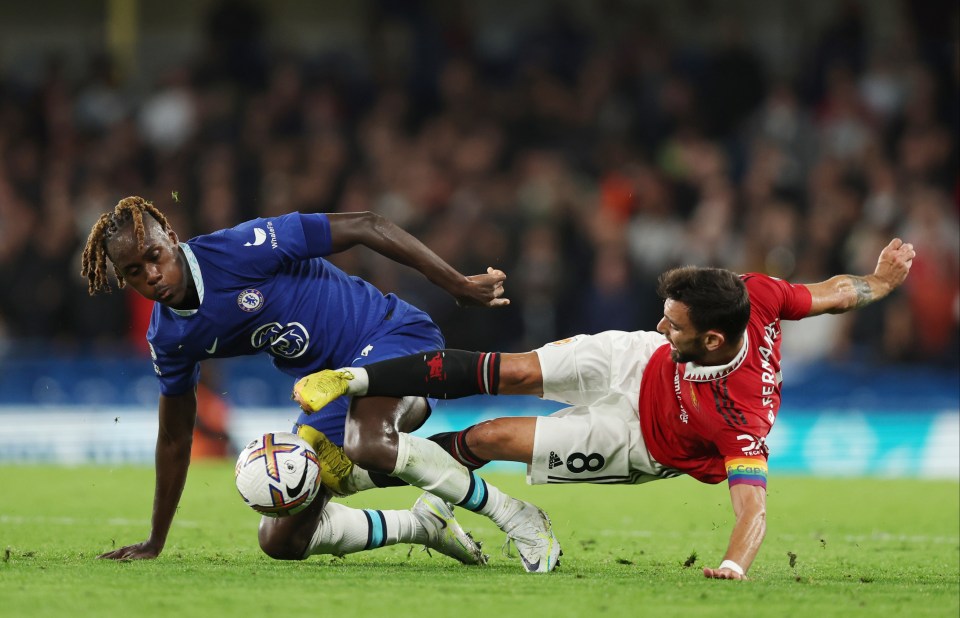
column 318, row 389
column 335, row 466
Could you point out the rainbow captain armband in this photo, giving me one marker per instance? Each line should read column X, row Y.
column 747, row 471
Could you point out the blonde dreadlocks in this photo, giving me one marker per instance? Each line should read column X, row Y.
column 94, row 261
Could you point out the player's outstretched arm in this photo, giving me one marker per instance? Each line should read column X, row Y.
column 386, row 238
column 174, row 441
column 847, row 292
column 749, row 506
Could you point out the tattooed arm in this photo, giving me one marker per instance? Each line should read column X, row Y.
column 847, row 292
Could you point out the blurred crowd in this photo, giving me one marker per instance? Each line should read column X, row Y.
column 583, row 159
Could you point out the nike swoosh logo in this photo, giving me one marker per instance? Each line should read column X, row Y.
column 212, row 348
column 443, row 522
column 293, row 492
column 530, row 566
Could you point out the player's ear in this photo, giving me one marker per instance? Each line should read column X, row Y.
column 173, row 237
column 713, row 340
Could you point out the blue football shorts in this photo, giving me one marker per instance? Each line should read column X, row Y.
column 415, row 332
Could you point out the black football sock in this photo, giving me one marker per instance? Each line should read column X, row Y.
column 455, row 443
column 443, row 374
column 381, row 479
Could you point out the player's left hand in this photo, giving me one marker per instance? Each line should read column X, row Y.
column 894, row 262
column 484, row 290
column 722, row 574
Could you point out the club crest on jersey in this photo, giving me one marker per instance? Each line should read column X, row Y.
column 250, row 300
column 288, row 341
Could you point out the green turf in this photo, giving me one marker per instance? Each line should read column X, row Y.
column 860, row 547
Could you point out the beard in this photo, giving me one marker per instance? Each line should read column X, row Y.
column 689, row 356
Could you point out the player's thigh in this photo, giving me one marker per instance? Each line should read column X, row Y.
column 373, row 425
column 586, row 368
column 376, row 415
column 583, row 445
column 329, row 420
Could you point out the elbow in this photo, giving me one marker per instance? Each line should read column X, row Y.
column 372, row 221
column 371, row 228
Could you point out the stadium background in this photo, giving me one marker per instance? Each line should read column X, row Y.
column 583, row 147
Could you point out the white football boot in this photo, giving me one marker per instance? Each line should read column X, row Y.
column 531, row 532
column 444, row 533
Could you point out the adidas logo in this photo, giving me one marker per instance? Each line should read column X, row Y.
column 554, row 461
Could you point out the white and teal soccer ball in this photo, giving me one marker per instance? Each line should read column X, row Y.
column 278, row 474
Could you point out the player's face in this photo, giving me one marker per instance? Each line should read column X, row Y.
column 158, row 271
column 686, row 341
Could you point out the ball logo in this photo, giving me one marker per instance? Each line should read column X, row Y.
column 289, row 341
column 250, row 300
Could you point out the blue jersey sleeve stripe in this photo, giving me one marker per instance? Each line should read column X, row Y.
column 316, row 233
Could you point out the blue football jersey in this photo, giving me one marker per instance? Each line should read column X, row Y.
column 264, row 287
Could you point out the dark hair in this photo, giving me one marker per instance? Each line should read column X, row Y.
column 94, row 261
column 716, row 298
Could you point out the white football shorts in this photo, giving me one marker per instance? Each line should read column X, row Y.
column 598, row 439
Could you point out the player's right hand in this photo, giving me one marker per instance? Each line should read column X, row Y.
column 484, row 290
column 318, row 389
column 140, row 551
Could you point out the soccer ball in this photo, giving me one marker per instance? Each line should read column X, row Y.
column 278, row 474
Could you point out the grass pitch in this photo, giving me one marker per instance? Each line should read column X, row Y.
column 833, row 548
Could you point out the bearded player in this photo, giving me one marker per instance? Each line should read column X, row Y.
column 698, row 397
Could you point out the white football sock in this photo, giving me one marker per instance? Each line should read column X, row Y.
column 358, row 480
column 359, row 383
column 343, row 530
column 424, row 464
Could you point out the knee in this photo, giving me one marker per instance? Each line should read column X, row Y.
column 486, row 433
column 278, row 546
column 483, row 435
column 372, row 450
column 503, row 439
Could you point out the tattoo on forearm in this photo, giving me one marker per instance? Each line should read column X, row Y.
column 865, row 294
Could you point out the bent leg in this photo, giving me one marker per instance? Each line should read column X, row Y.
column 503, row 439
column 373, row 427
column 287, row 538
column 374, row 439
column 590, row 444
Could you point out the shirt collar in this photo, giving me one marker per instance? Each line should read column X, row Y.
column 697, row 373
column 197, row 279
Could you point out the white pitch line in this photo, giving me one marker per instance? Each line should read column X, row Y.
column 74, row 521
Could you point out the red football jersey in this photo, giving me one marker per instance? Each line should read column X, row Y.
column 693, row 417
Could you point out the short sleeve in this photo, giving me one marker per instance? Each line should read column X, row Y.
column 778, row 299
column 743, row 440
column 264, row 246
column 177, row 374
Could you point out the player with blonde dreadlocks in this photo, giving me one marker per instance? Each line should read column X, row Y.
column 264, row 286
column 94, row 261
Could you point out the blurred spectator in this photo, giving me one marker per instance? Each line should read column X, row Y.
column 582, row 153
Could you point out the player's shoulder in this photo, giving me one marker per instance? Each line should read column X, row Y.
column 250, row 233
column 759, row 280
column 161, row 334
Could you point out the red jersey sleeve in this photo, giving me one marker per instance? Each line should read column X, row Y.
column 775, row 298
column 747, row 440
